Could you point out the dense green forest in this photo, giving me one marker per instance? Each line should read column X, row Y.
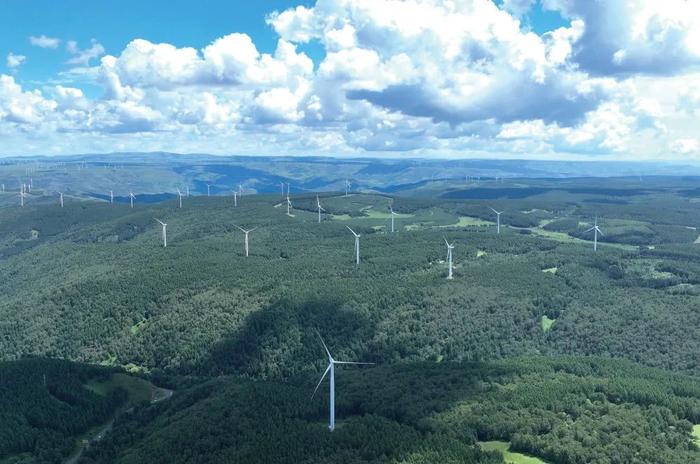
column 91, row 282
column 564, row 410
column 44, row 405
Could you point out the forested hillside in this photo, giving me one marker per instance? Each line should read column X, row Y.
column 564, row 410
column 45, row 405
column 92, row 282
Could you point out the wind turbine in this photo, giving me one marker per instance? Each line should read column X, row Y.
column 347, row 186
column 596, row 230
column 163, row 232
column 235, row 198
column 61, row 196
column 240, row 190
column 289, row 206
column 498, row 220
column 392, row 218
column 111, row 197
column 3, row 188
column 21, row 197
column 320, row 208
column 179, row 197
column 357, row 245
column 331, row 368
column 131, row 198
column 246, row 232
column 450, row 246
column 208, row 190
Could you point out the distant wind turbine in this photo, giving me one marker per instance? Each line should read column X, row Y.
column 208, row 190
column 111, row 197
column 289, row 206
column 347, row 187
column 21, row 197
column 61, row 197
column 320, row 208
column 331, row 368
column 179, row 197
column 246, row 232
column 357, row 245
column 596, row 230
column 163, row 232
column 450, row 246
column 498, row 220
column 240, row 190
column 131, row 198
column 235, row 198
column 392, row 218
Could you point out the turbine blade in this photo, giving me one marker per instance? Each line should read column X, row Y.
column 600, row 232
column 330, row 358
column 319, row 382
column 350, row 362
column 590, row 229
column 353, row 232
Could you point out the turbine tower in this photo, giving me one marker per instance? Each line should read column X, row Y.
column 498, row 220
column 331, row 368
column 179, row 197
column 450, row 246
column 208, row 190
column 320, row 208
column 163, row 232
column 61, row 196
column 347, row 187
column 111, row 197
column 21, row 197
column 392, row 218
column 246, row 232
column 596, row 230
column 235, row 198
column 131, row 198
column 357, row 245
column 289, row 206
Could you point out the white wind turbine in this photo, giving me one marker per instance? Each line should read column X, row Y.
column 208, row 190
column 289, row 205
column 163, row 232
column 111, row 197
column 392, row 218
column 357, row 245
column 596, row 230
column 131, row 198
column 61, row 197
column 498, row 220
column 246, row 232
column 21, row 197
column 347, row 187
column 179, row 197
column 240, row 190
column 235, row 198
column 331, row 368
column 450, row 246
column 320, row 208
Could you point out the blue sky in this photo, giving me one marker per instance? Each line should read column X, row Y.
column 559, row 79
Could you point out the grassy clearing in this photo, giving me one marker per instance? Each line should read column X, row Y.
column 547, row 323
column 341, row 217
column 374, row 214
column 480, row 253
column 509, row 457
column 551, row 270
column 466, row 221
column 696, row 433
column 139, row 390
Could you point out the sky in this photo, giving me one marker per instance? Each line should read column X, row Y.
column 532, row 79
